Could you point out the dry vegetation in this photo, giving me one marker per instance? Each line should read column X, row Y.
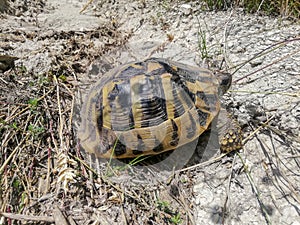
column 42, row 170
column 284, row 8
column 41, row 167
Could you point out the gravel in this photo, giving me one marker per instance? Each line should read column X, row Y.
column 267, row 87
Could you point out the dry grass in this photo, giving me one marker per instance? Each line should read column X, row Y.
column 284, row 8
column 43, row 179
column 36, row 137
column 42, row 174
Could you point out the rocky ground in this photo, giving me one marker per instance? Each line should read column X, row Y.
column 62, row 47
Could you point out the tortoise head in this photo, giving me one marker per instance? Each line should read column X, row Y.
column 224, row 81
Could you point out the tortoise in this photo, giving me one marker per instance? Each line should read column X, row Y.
column 153, row 106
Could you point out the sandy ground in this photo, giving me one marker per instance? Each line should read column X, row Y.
column 260, row 185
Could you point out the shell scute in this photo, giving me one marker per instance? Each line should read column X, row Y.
column 147, row 107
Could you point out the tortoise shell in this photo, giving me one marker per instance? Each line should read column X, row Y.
column 149, row 107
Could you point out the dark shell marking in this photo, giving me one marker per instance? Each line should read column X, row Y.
column 148, row 107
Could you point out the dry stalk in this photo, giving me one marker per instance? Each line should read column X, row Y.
column 228, row 191
column 218, row 158
column 257, row 130
column 12, row 154
column 268, row 65
column 187, row 208
column 66, row 174
column 292, row 187
column 86, row 5
column 255, row 190
column 22, row 217
column 26, row 108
